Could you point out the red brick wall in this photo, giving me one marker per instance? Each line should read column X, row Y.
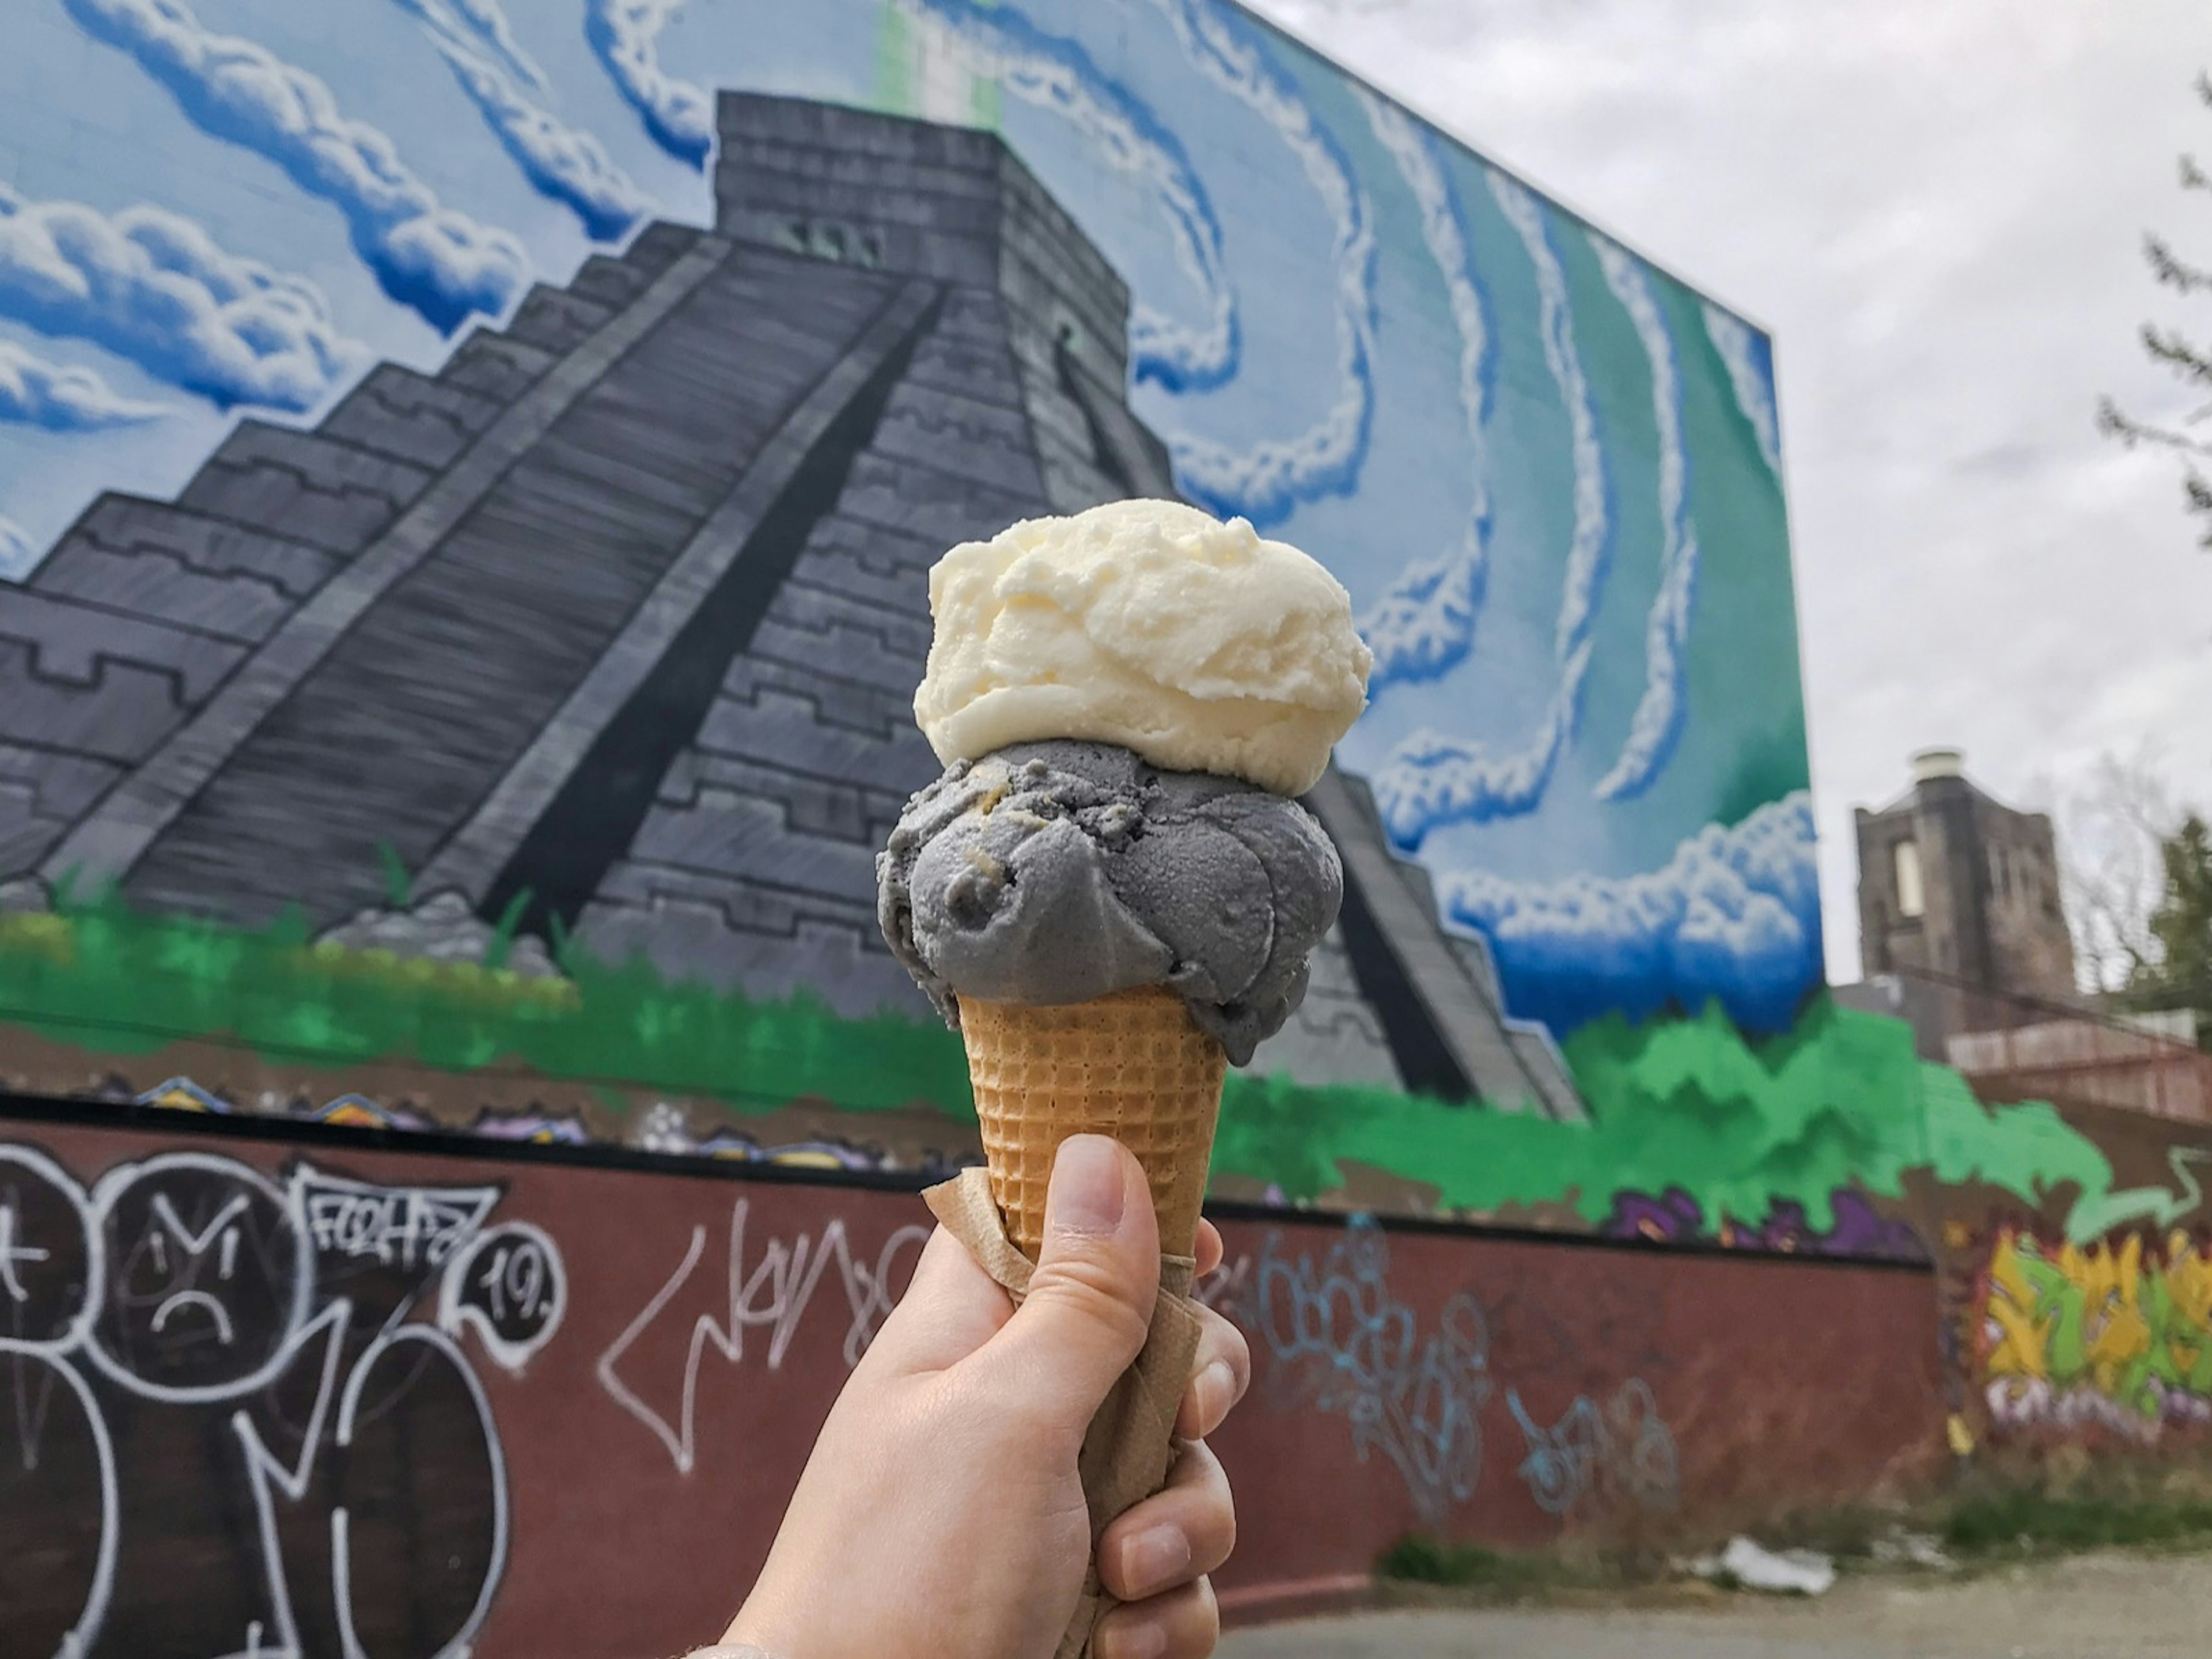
column 1487, row 1387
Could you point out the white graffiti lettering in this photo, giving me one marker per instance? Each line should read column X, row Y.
column 775, row 1295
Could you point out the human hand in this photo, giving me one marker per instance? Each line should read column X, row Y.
column 941, row 1514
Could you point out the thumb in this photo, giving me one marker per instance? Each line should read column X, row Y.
column 1090, row 1301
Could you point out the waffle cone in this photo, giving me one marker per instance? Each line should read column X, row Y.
column 1133, row 1065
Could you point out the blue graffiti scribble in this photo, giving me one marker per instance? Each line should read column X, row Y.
column 1342, row 1343
column 1624, row 1450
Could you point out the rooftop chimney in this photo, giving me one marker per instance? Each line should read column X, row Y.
column 1930, row 764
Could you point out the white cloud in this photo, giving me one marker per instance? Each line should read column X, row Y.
column 1431, row 779
column 1750, row 377
column 440, row 261
column 154, row 287
column 625, row 35
column 489, row 23
column 1424, row 624
column 1264, row 482
column 1938, row 211
column 1657, row 725
column 1735, row 914
column 1042, row 71
column 1590, row 551
column 63, row 398
column 564, row 163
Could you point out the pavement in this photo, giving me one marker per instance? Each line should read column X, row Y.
column 2092, row 1606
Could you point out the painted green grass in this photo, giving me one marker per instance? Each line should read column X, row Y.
column 106, row 978
column 1840, row 1100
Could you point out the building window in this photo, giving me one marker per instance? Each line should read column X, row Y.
column 1911, row 901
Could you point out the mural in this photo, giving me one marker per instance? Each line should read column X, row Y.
column 467, row 469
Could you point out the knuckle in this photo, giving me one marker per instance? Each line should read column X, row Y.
column 1096, row 1287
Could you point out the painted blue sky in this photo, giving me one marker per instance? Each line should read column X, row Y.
column 1547, row 473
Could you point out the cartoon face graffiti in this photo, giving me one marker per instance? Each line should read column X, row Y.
column 207, row 1278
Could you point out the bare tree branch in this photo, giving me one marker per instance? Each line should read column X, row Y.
column 2169, row 347
column 2169, row 268
column 2198, row 489
column 2110, row 832
column 2114, row 422
column 2192, row 363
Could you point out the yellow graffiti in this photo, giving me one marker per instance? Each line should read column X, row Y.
column 2119, row 1327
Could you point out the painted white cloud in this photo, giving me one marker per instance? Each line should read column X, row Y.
column 1051, row 74
column 563, row 162
column 1432, row 778
column 63, row 398
column 1590, row 548
column 1264, row 482
column 1424, row 624
column 431, row 257
column 154, row 287
column 1657, row 725
column 1735, row 914
column 17, row 557
column 1751, row 377
column 490, row 24
column 625, row 36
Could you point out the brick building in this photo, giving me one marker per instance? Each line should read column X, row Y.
column 1958, row 892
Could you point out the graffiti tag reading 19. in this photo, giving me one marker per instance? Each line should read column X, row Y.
column 289, row 1352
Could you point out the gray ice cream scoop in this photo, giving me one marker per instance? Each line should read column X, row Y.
column 1058, row 873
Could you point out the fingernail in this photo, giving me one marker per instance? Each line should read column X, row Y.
column 1086, row 1194
column 1154, row 1559
column 1217, row 1392
column 1133, row 1641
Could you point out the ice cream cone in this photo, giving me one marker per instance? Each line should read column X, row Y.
column 1133, row 1065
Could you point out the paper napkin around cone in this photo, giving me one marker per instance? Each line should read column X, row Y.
column 1131, row 1443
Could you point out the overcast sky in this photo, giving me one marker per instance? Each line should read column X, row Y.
column 1937, row 206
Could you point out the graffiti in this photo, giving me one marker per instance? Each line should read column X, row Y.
column 1624, row 1449
column 191, row 1341
column 775, row 1293
column 665, row 1128
column 1339, row 1342
column 1342, row 1343
column 2116, row 1335
column 1857, row 1229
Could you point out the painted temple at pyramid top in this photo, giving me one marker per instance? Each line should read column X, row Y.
column 614, row 622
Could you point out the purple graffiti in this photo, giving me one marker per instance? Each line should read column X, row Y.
column 1855, row 1230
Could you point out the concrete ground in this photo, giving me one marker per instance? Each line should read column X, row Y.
column 2095, row 1607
